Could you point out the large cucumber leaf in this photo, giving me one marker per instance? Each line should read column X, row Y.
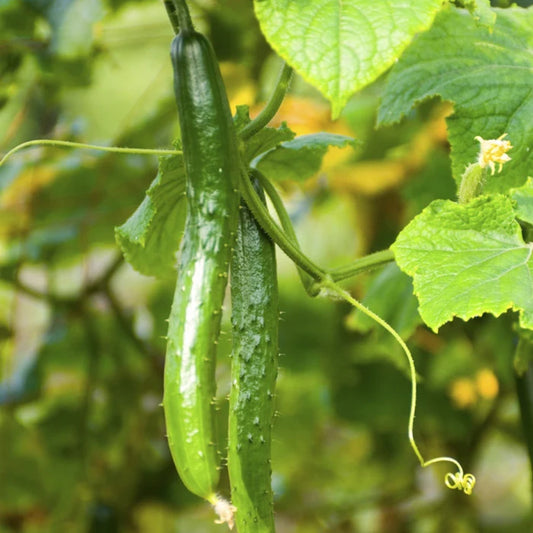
column 487, row 74
column 339, row 47
column 467, row 260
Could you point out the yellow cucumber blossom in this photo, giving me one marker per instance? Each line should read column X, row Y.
column 493, row 151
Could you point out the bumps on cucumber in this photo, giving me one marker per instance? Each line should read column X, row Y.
column 255, row 314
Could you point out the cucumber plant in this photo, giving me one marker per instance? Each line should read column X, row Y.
column 441, row 249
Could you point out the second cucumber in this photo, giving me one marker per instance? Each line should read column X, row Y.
column 255, row 316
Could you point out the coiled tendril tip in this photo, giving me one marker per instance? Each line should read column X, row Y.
column 460, row 481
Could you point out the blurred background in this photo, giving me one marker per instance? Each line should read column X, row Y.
column 82, row 446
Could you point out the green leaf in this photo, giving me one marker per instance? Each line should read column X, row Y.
column 523, row 198
column 339, row 47
column 150, row 238
column 300, row 158
column 483, row 13
column 488, row 75
column 467, row 260
column 262, row 141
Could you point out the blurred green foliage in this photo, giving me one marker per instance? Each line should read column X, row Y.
column 82, row 445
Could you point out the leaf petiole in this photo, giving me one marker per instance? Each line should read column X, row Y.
column 362, row 264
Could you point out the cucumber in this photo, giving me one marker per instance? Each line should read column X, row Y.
column 255, row 315
column 212, row 165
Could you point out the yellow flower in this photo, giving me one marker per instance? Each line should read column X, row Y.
column 493, row 151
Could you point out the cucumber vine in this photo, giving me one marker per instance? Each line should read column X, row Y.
column 219, row 176
column 316, row 280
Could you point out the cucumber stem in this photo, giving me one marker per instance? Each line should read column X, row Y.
column 272, row 106
column 309, row 284
column 262, row 215
column 362, row 264
column 172, row 15
column 183, row 15
column 285, row 238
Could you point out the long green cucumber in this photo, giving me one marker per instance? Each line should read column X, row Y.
column 212, row 172
column 255, row 315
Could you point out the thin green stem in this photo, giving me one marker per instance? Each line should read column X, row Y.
column 453, row 481
column 272, row 106
column 172, row 15
column 262, row 215
column 183, row 15
column 363, row 264
column 272, row 193
column 69, row 144
column 311, row 287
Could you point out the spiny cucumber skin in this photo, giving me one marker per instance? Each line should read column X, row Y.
column 212, row 172
column 255, row 315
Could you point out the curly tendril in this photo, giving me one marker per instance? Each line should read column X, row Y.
column 459, row 480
